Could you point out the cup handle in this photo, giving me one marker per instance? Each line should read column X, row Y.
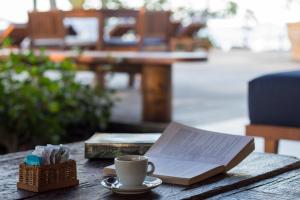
column 152, row 168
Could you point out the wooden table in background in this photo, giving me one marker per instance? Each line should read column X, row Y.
column 259, row 176
column 155, row 67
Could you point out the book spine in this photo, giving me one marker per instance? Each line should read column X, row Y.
column 114, row 150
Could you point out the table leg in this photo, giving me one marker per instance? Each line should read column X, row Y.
column 157, row 93
column 100, row 77
column 271, row 145
column 131, row 77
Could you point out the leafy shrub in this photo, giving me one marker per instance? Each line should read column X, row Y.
column 35, row 108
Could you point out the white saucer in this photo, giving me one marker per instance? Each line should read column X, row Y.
column 150, row 182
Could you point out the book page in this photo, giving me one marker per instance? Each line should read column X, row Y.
column 184, row 143
column 178, row 171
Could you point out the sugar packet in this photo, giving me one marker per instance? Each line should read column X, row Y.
column 50, row 154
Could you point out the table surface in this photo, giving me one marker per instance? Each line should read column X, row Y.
column 140, row 57
column 259, row 175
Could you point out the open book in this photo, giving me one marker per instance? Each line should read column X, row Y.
column 184, row 155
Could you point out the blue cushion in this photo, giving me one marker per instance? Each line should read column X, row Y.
column 153, row 41
column 274, row 99
column 117, row 41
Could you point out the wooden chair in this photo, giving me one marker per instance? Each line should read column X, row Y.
column 113, row 41
column 274, row 109
column 273, row 134
column 294, row 36
column 154, row 30
column 85, row 14
column 6, row 33
column 190, row 30
column 121, row 29
column 184, row 38
column 175, row 27
column 46, row 29
column 19, row 33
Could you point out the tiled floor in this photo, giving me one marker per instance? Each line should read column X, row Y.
column 211, row 95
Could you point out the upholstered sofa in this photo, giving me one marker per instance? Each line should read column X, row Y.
column 274, row 108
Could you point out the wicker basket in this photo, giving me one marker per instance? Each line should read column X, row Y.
column 47, row 177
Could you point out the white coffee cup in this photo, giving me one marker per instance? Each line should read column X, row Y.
column 132, row 169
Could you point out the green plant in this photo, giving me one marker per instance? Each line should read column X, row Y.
column 112, row 4
column 155, row 4
column 189, row 12
column 6, row 42
column 148, row 4
column 77, row 4
column 36, row 109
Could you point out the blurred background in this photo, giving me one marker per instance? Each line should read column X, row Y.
column 230, row 24
column 243, row 39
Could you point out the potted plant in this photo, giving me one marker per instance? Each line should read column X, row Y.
column 36, row 108
column 77, row 4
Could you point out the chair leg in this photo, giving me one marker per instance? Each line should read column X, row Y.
column 271, row 145
column 131, row 79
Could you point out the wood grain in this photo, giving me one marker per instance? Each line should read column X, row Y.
column 154, row 24
column 252, row 170
column 126, row 58
column 157, row 93
column 272, row 134
column 46, row 25
column 284, row 186
column 271, row 145
column 6, row 32
column 119, row 58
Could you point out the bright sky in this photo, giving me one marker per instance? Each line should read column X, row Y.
column 269, row 32
column 266, row 11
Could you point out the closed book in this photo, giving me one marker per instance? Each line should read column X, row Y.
column 111, row 145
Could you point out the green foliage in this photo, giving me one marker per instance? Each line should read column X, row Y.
column 35, row 108
column 148, row 4
column 6, row 42
column 189, row 12
column 231, row 9
column 77, row 4
column 113, row 4
column 155, row 4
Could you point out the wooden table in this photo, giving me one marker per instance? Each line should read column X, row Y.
column 156, row 69
column 259, row 176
